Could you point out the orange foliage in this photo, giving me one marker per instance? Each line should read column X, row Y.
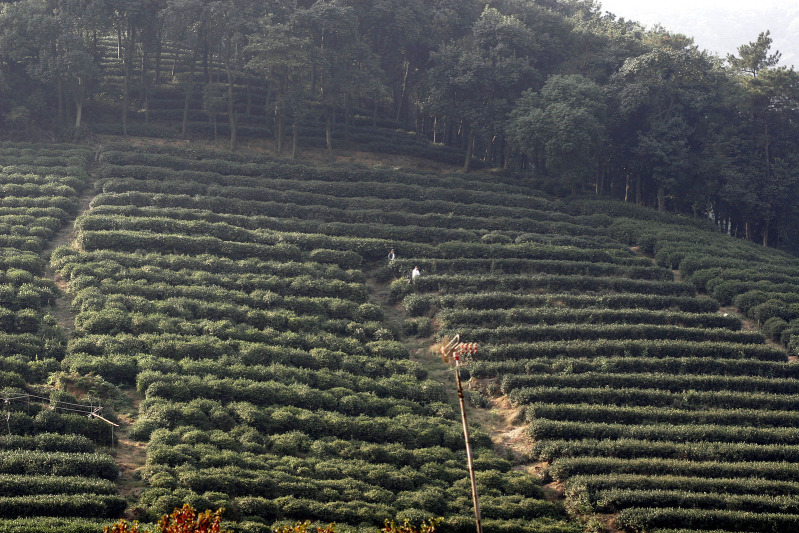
column 188, row 520
column 183, row 520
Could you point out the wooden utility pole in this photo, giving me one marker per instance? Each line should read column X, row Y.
column 454, row 349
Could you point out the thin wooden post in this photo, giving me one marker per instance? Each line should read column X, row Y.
column 454, row 348
column 469, row 460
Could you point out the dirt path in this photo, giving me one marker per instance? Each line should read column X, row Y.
column 130, row 454
column 509, row 431
column 61, row 309
column 503, row 422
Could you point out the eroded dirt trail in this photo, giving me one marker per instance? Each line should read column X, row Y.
column 504, row 423
column 61, row 310
column 130, row 455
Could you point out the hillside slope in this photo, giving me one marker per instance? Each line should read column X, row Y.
column 52, row 459
column 232, row 292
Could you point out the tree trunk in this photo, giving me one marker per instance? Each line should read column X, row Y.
column 144, row 66
column 347, row 118
column 78, row 115
column 765, row 233
column 206, row 72
column 329, row 132
column 231, row 112
column 268, row 101
column 294, row 141
column 146, row 103
column 127, row 60
column 467, row 164
column 767, row 147
column 187, row 101
column 279, row 122
column 248, row 111
column 175, row 63
column 158, row 53
column 600, row 177
column 638, row 190
column 627, row 189
column 60, row 100
column 449, row 132
column 125, row 98
column 401, row 102
column 661, row 199
column 748, row 226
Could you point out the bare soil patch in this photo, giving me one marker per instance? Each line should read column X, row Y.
column 507, row 433
column 502, row 421
column 61, row 309
column 554, row 491
column 130, row 455
column 747, row 324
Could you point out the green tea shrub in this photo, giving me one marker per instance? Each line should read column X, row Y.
column 417, row 304
column 774, row 308
column 773, row 327
column 749, row 299
column 62, row 505
column 420, row 327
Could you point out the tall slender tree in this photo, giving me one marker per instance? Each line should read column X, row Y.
column 476, row 81
column 563, row 127
column 768, row 102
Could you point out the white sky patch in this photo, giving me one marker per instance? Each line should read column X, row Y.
column 720, row 26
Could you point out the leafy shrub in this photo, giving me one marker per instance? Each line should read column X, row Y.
column 46, row 524
column 496, row 238
column 367, row 312
column 398, row 290
column 47, row 442
column 773, row 327
column 416, row 304
column 388, row 349
column 76, row 505
column 344, row 259
column 773, row 308
column 639, row 519
column 789, row 332
column 58, row 464
column 657, row 348
column 749, row 299
column 422, row 327
column 477, row 398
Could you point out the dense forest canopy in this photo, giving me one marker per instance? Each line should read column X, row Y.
column 559, row 91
